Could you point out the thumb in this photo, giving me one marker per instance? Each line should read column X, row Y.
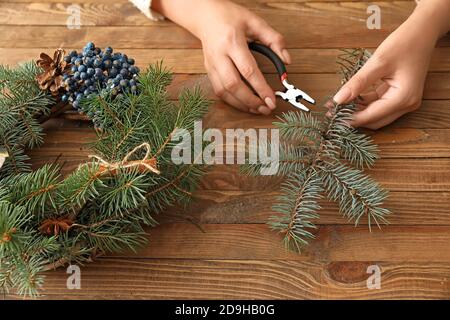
column 371, row 72
column 260, row 30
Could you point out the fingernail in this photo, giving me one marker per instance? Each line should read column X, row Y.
column 342, row 96
column 329, row 105
column 270, row 103
column 264, row 110
column 253, row 111
column 286, row 56
column 328, row 114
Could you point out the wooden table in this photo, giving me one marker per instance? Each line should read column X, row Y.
column 237, row 256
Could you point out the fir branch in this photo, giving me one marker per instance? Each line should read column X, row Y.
column 297, row 207
column 36, row 190
column 356, row 193
column 311, row 157
column 358, row 148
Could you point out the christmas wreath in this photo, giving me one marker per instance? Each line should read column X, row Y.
column 47, row 220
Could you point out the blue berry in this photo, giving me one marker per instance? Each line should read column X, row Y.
column 113, row 72
column 133, row 69
column 90, row 46
column 97, row 62
column 64, row 98
column 98, row 72
column 83, row 75
column 107, row 64
column 82, row 68
column 109, row 50
column 76, row 75
column 124, row 72
column 89, row 62
column 131, row 61
column 90, row 72
column 117, row 63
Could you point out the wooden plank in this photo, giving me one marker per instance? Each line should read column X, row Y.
column 244, row 2
column 351, row 23
column 218, row 206
column 304, row 60
column 410, row 175
column 392, row 174
column 171, row 36
column 332, row 243
column 250, row 279
column 125, row 14
column 393, row 143
column 320, row 86
column 433, row 114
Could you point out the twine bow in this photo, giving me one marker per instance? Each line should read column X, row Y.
column 144, row 165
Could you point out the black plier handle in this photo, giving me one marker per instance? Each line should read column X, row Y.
column 269, row 53
column 292, row 94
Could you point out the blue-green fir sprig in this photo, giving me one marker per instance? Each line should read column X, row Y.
column 323, row 156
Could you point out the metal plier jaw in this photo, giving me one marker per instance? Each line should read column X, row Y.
column 294, row 95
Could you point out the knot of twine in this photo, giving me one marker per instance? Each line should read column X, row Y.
column 144, row 165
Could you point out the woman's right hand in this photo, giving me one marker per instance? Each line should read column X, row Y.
column 225, row 29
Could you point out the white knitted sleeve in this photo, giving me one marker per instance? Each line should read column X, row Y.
column 145, row 7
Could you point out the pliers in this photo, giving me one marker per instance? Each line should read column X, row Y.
column 292, row 94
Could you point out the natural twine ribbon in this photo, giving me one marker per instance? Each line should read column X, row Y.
column 146, row 164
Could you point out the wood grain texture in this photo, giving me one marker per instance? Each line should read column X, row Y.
column 332, row 243
column 303, row 60
column 237, row 256
column 419, row 174
column 106, row 26
column 125, row 14
column 237, row 279
column 175, row 37
column 320, row 86
column 252, row 207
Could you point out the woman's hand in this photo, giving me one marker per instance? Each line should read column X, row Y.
column 224, row 29
column 391, row 83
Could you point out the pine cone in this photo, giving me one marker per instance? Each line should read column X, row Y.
column 52, row 76
column 55, row 226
